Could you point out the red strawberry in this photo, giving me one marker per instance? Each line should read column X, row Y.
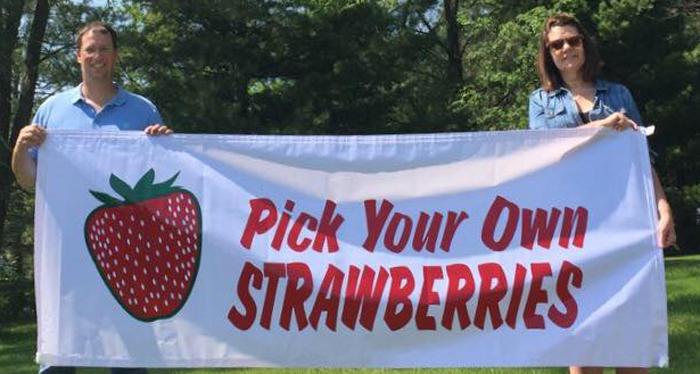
column 147, row 247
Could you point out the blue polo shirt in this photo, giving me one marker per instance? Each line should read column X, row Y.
column 68, row 110
column 557, row 109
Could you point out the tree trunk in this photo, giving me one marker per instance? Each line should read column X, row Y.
column 31, row 68
column 454, row 50
column 21, row 117
column 10, row 16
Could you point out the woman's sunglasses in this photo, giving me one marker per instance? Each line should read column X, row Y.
column 573, row 42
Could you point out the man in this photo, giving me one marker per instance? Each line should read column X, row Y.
column 96, row 104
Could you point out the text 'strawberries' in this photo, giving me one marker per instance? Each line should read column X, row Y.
column 147, row 247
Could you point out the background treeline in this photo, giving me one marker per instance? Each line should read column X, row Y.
column 345, row 67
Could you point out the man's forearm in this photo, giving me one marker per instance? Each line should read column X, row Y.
column 24, row 167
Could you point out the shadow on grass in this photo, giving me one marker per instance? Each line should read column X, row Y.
column 687, row 304
column 683, row 267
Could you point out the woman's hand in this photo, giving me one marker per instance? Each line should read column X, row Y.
column 618, row 121
column 667, row 231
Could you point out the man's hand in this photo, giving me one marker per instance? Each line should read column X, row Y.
column 23, row 164
column 158, row 130
column 30, row 136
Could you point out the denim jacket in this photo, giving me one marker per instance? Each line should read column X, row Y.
column 557, row 109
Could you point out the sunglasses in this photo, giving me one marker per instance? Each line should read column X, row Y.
column 573, row 42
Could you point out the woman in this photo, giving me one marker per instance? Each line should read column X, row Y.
column 573, row 96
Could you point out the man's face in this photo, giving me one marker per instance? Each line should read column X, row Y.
column 97, row 55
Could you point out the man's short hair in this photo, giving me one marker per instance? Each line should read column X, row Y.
column 102, row 27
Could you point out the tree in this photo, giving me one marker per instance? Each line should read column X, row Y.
column 11, row 16
column 454, row 47
column 271, row 67
column 10, row 124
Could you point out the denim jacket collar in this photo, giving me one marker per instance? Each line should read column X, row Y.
column 600, row 86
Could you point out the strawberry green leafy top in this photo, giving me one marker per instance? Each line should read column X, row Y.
column 144, row 189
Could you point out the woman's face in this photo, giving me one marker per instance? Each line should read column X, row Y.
column 566, row 47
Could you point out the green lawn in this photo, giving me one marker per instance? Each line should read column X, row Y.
column 18, row 340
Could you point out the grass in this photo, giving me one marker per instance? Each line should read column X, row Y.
column 683, row 288
column 18, row 340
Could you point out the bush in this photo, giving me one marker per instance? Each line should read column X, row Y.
column 686, row 211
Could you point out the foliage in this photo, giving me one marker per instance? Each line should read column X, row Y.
column 272, row 67
column 686, row 204
column 495, row 96
column 16, row 286
column 19, row 242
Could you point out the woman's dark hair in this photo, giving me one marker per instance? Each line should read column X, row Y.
column 550, row 77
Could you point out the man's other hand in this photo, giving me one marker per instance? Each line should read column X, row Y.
column 158, row 129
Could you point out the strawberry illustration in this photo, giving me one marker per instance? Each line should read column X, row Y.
column 146, row 247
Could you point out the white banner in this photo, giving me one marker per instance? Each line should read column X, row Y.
column 526, row 248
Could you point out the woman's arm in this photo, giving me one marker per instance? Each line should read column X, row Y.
column 537, row 118
column 617, row 121
column 666, row 229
